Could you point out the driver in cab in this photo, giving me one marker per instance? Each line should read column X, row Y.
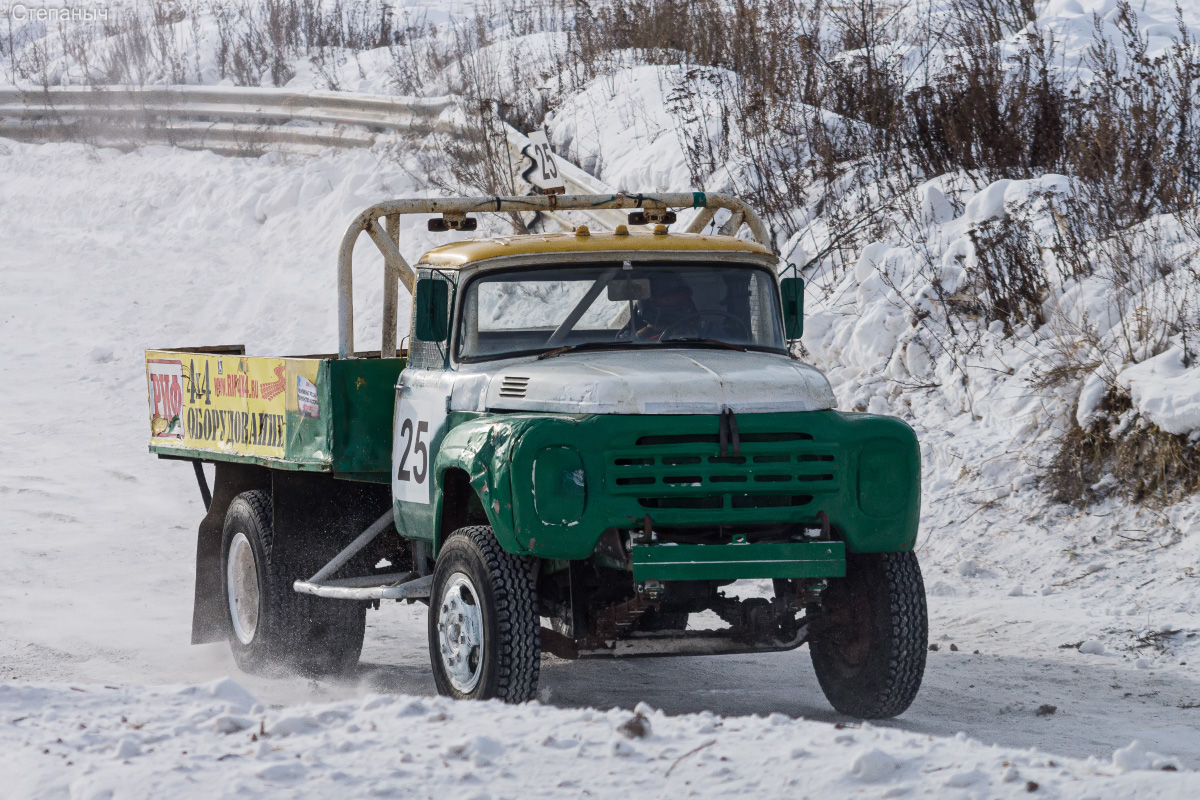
column 670, row 303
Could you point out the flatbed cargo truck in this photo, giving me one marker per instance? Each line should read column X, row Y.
column 592, row 443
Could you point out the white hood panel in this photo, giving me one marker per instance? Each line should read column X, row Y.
column 674, row 381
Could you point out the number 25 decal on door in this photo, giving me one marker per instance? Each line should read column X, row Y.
column 413, row 445
column 420, row 414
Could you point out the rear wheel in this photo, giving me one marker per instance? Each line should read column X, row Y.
column 869, row 650
column 484, row 631
column 271, row 627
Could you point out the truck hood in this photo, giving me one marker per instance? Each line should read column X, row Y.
column 666, row 381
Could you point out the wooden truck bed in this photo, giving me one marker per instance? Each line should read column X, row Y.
column 308, row 413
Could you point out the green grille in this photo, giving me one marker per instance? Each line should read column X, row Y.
column 687, row 472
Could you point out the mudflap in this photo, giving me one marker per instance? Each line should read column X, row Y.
column 209, row 623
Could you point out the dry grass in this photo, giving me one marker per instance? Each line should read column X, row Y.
column 1141, row 463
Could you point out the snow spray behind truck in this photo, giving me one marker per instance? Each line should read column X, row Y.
column 589, row 440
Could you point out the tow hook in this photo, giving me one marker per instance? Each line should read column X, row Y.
column 651, row 590
column 823, row 532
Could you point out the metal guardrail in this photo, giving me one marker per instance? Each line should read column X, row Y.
column 218, row 118
column 243, row 121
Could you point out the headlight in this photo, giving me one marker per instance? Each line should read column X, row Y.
column 559, row 485
column 885, row 477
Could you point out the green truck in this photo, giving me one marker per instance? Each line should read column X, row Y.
column 596, row 444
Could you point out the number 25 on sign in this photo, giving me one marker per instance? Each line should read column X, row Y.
column 544, row 173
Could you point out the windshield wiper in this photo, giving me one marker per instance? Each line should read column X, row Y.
column 587, row 346
column 704, row 341
column 688, row 340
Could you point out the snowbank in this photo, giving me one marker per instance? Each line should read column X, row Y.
column 1166, row 391
column 619, row 129
column 214, row 740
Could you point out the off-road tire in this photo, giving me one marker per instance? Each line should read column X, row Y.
column 871, row 636
column 512, row 646
column 295, row 633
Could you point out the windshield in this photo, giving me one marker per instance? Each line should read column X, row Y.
column 528, row 311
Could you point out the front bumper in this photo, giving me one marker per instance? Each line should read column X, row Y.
column 706, row 562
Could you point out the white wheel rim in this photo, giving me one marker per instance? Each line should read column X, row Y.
column 241, row 580
column 460, row 633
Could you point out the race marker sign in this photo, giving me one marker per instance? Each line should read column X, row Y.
column 544, row 174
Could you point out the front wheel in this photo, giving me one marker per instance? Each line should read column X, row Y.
column 484, row 631
column 869, row 647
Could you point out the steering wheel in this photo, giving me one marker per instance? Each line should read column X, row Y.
column 745, row 329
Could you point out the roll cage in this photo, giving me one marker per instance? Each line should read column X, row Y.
column 454, row 211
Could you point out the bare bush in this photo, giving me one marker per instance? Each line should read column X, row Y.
column 1009, row 277
column 1136, row 460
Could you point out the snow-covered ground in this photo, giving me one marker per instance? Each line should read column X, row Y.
column 106, row 254
column 216, row 740
column 1070, row 631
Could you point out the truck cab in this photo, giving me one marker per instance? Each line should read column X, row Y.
column 602, row 446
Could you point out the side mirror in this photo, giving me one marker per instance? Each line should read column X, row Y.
column 432, row 310
column 792, row 290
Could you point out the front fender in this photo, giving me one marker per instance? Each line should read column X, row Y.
column 482, row 446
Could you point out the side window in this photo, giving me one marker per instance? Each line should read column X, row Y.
column 759, row 306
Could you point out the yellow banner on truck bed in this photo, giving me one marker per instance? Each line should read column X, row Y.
column 226, row 403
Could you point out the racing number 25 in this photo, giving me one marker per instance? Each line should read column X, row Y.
column 413, row 445
column 549, row 168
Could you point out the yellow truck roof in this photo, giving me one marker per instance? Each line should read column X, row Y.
column 462, row 254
